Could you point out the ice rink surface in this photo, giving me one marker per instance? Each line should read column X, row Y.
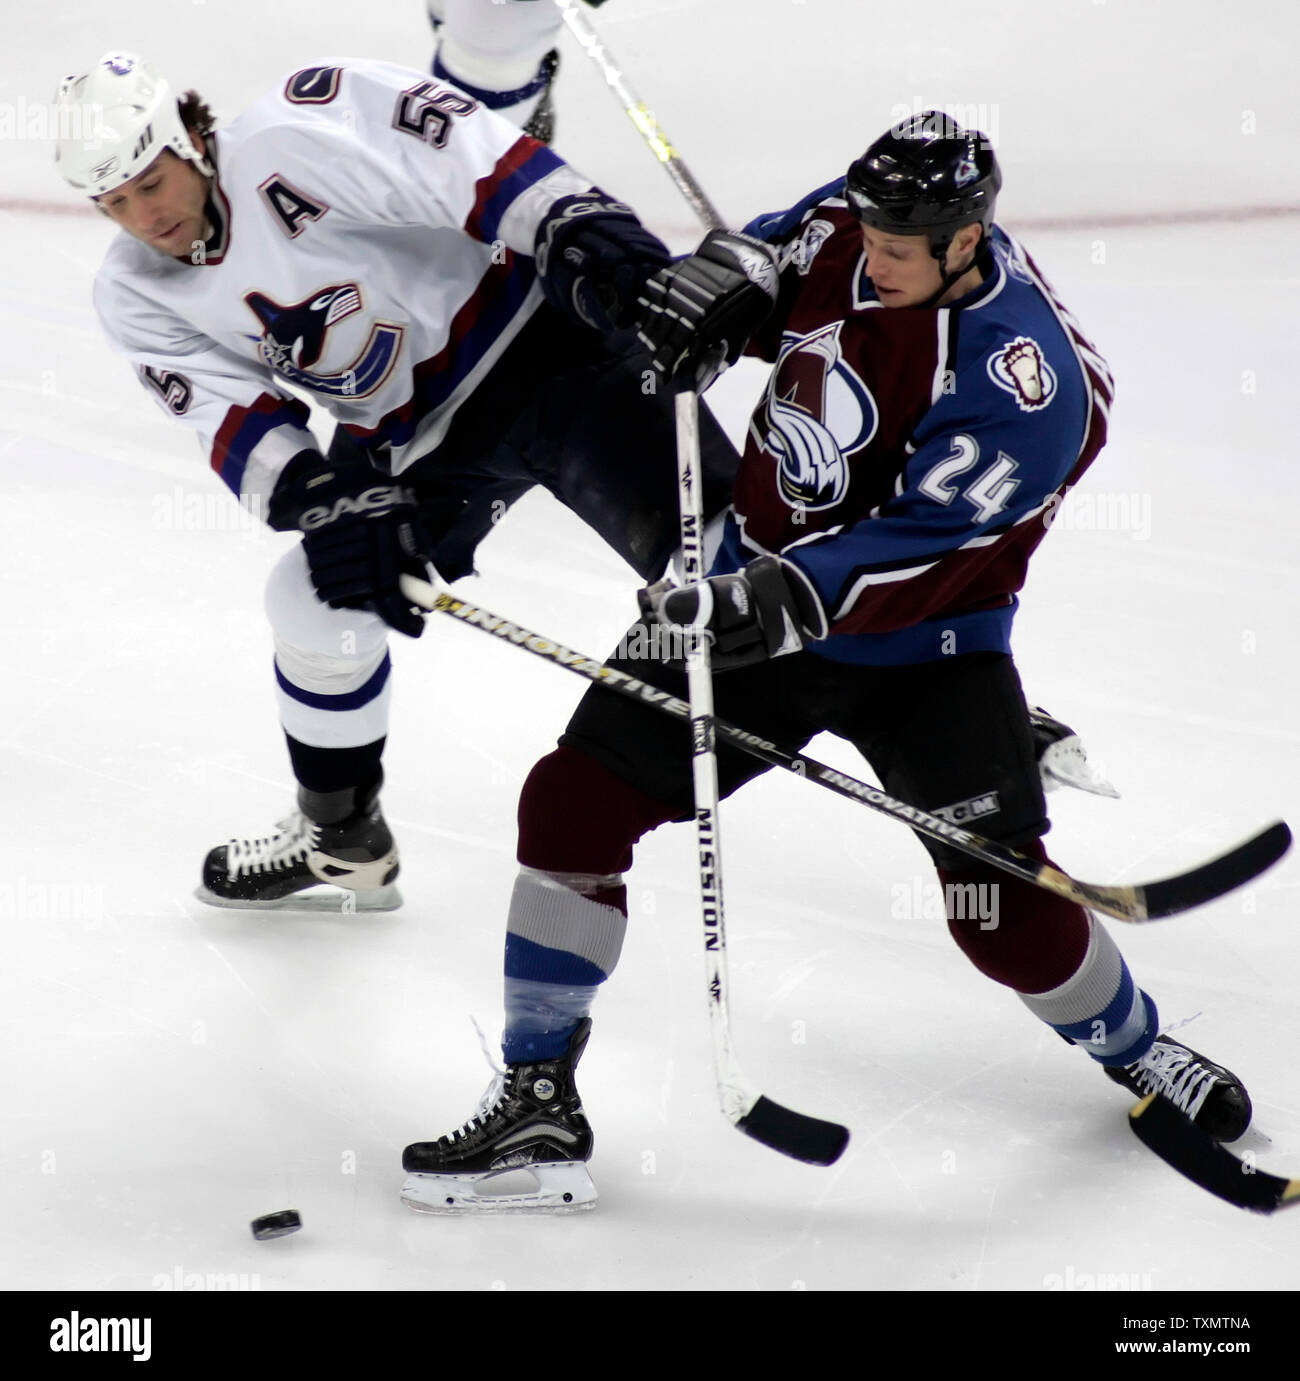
column 169, row 1071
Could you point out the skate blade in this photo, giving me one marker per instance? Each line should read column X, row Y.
column 563, row 1188
column 332, row 900
column 1066, row 764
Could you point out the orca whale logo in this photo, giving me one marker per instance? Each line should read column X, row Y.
column 293, row 340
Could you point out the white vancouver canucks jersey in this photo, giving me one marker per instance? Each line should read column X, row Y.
column 372, row 247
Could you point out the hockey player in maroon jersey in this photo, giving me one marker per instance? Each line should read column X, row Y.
column 930, row 401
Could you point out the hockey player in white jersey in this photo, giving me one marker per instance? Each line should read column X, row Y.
column 456, row 296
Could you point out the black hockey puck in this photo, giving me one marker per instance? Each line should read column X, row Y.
column 276, row 1224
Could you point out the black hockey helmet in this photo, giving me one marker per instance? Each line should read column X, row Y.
column 925, row 175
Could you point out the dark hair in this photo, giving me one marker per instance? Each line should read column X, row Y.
column 195, row 114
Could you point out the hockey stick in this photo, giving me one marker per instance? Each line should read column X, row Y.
column 1179, row 1142
column 635, row 109
column 1136, row 903
column 792, row 1133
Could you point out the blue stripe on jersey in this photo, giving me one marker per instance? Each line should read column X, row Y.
column 931, row 640
column 539, row 164
column 777, row 227
column 349, row 700
column 239, row 435
column 436, row 379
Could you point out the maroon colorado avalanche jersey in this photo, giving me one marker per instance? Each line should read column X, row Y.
column 909, row 461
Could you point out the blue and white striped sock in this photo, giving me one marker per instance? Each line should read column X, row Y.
column 561, row 944
column 1099, row 1007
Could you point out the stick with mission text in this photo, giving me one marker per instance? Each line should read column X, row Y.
column 792, row 1133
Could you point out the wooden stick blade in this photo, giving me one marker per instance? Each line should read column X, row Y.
column 1179, row 1142
column 1219, row 876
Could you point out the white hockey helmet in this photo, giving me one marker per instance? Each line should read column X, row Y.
column 114, row 120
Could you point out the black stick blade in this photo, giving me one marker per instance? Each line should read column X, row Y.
column 1179, row 1142
column 808, row 1139
column 1233, row 869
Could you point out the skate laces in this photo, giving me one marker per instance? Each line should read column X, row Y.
column 1172, row 1070
column 492, row 1096
column 293, row 840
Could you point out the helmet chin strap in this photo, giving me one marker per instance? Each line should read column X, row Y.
column 980, row 257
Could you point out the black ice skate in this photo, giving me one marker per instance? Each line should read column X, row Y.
column 1213, row 1097
column 1062, row 760
column 524, row 1150
column 334, row 853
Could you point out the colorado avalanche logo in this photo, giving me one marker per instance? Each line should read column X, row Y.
column 1021, row 369
column 805, row 248
column 294, row 339
column 818, row 414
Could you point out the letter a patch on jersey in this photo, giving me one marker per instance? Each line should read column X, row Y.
column 291, row 208
column 819, row 413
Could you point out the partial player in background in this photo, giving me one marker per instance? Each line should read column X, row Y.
column 504, row 54
column 929, row 404
column 457, row 297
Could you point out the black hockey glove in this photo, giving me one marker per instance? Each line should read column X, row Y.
column 594, row 255
column 768, row 608
column 361, row 531
column 697, row 314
